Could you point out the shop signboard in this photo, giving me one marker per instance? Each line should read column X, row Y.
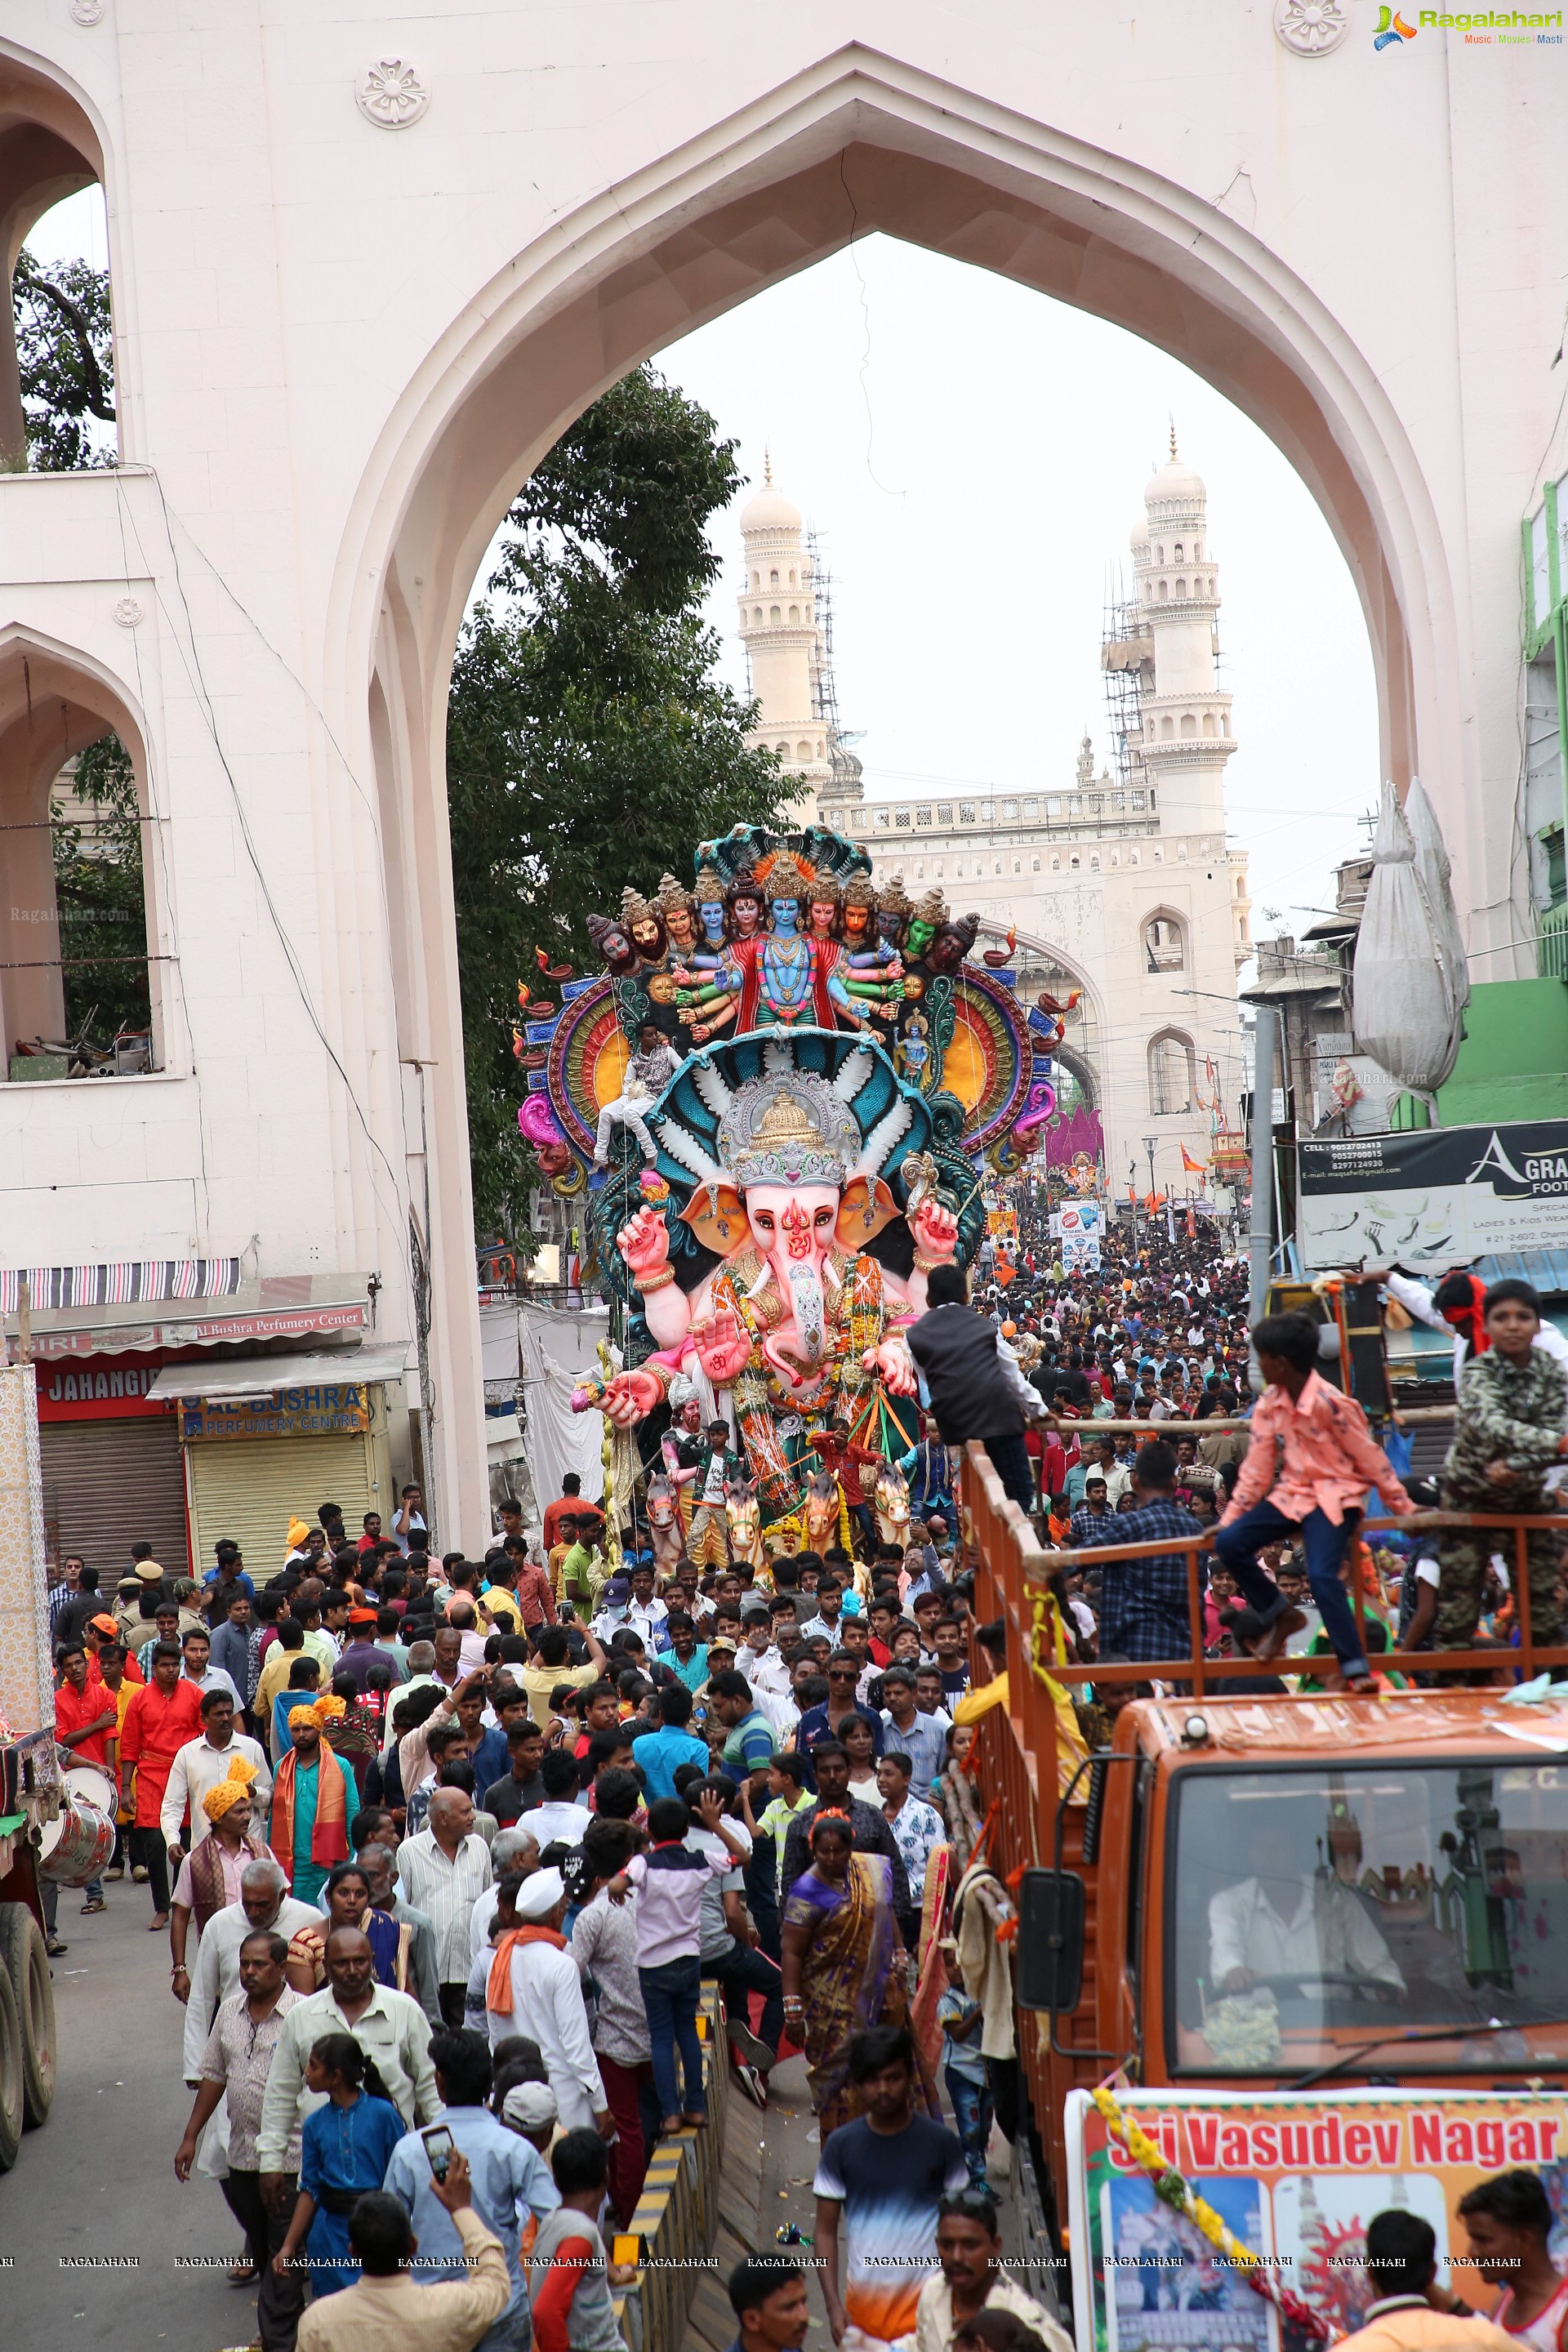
column 1434, row 1197
column 1296, row 2177
column 100, row 1388
column 335, row 1409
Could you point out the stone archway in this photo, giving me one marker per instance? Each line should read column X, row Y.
column 856, row 143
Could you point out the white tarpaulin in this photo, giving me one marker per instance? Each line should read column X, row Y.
column 558, row 1350
column 1411, row 983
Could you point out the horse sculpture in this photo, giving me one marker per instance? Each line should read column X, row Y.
column 744, row 1516
column 663, row 1520
column 891, row 1503
column 823, row 1512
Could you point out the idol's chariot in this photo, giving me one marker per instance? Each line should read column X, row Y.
column 765, row 1186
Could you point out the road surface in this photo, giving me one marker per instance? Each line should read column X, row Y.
column 97, row 2183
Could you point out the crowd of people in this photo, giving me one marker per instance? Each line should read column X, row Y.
column 446, row 1848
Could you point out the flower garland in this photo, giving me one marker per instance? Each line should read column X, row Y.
column 1174, row 2189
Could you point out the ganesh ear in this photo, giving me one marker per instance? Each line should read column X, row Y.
column 864, row 1207
column 716, row 1217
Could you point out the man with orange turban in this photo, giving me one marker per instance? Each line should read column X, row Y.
column 313, row 1800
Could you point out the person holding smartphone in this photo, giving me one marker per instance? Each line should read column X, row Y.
column 389, row 2310
column 509, row 2179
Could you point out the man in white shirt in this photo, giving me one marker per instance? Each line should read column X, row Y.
column 543, row 1997
column 1279, row 1924
column 200, row 1765
column 646, row 1613
column 443, row 1872
column 263, row 1902
column 389, row 2026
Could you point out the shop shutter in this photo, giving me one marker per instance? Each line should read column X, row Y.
column 248, row 1488
column 111, row 1484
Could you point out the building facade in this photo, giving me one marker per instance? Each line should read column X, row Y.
column 366, row 266
column 1121, row 884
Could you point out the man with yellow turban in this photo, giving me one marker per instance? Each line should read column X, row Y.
column 210, row 1873
column 313, row 1800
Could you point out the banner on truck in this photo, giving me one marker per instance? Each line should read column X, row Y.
column 1434, row 1197
column 1296, row 2178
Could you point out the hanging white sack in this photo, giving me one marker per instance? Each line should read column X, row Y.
column 1406, row 983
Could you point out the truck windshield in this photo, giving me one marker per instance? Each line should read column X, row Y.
column 1315, row 1910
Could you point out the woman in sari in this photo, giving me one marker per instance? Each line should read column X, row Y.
column 843, row 1961
column 347, row 1892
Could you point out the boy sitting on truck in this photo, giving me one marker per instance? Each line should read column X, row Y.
column 1507, row 1433
column 1327, row 1460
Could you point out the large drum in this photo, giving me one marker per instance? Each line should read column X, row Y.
column 75, row 1847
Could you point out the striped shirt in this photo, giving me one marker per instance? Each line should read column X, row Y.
column 446, row 1890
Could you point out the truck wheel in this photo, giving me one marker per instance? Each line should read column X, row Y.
column 12, row 2099
column 27, row 1963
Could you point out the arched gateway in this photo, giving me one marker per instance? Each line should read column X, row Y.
column 363, row 281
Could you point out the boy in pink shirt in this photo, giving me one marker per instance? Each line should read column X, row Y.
column 1326, row 1462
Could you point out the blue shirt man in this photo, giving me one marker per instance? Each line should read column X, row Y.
column 661, row 1753
column 509, row 2181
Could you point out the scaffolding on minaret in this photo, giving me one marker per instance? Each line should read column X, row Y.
column 844, row 783
column 1127, row 666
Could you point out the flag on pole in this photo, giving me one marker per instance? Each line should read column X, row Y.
column 1193, row 1167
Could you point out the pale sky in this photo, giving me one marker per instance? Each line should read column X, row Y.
column 974, row 456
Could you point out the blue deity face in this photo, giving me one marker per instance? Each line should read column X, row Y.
column 786, row 916
column 711, row 912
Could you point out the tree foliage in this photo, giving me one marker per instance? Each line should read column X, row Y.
column 66, row 353
column 97, row 842
column 589, row 742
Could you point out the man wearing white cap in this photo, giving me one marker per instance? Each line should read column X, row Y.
column 534, row 1989
column 530, row 2108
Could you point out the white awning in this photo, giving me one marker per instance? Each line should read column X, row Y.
column 254, row 1376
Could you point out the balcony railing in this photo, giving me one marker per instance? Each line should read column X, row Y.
column 1552, row 943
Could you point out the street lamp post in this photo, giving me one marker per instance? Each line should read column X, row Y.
column 1149, row 1143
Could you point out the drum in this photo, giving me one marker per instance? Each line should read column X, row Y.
column 75, row 1847
column 89, row 1785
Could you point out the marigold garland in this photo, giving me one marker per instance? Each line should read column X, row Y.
column 1174, row 2189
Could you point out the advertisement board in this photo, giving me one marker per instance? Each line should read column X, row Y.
column 1080, row 1252
column 335, row 1409
column 1296, row 2178
column 1078, row 1219
column 1434, row 1197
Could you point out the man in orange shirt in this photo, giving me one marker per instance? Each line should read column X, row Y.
column 163, row 1713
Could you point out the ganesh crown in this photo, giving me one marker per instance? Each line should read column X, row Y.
column 788, row 1128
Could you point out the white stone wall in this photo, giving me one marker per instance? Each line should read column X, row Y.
column 341, row 344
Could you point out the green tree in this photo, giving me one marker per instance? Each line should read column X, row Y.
column 97, row 842
column 66, row 354
column 589, row 742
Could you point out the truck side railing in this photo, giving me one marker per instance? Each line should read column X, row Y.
column 1014, row 1570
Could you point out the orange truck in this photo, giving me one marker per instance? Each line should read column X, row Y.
column 1275, row 1915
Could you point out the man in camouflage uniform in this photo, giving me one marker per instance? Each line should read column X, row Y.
column 1509, row 1432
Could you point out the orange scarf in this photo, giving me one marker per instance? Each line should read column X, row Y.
column 497, row 1991
column 329, row 1830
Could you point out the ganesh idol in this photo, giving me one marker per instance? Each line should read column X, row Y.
column 798, row 1320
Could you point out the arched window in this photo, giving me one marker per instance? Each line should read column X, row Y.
column 77, row 915
column 1197, row 551
column 782, row 751
column 756, row 579
column 773, row 580
column 1055, row 866
column 1164, row 942
column 802, row 750
column 1182, row 590
column 1178, row 557
column 1035, row 867
column 48, row 151
column 757, row 618
column 794, row 617
column 773, row 617
column 1165, row 591
column 791, row 580
column 1209, row 722
column 1159, row 555
column 1189, row 724
column 1225, row 722
column 1017, row 865
column 1167, row 730
column 1171, row 1073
